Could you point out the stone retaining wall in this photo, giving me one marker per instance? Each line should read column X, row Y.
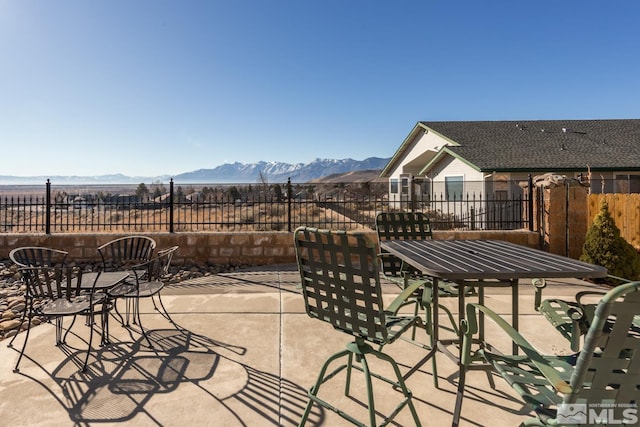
column 258, row 248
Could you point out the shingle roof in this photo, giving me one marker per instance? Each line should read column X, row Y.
column 545, row 144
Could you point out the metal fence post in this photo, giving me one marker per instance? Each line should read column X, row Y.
column 566, row 219
column 47, row 218
column 530, row 204
column 472, row 217
column 171, row 205
column 289, row 196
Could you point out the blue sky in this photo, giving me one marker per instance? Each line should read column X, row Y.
column 154, row 87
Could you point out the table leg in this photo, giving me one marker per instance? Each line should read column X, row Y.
column 481, row 316
column 434, row 336
column 461, row 313
column 106, row 306
column 514, row 308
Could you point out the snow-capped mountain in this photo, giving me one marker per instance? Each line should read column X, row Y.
column 228, row 173
column 280, row 172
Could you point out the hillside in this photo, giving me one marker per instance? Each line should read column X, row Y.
column 353, row 176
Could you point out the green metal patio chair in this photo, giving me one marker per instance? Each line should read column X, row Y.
column 341, row 285
column 606, row 371
column 414, row 226
column 409, row 226
column 570, row 318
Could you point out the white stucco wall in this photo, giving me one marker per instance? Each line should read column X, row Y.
column 449, row 167
column 422, row 148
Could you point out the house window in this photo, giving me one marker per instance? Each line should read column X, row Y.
column 405, row 186
column 425, row 187
column 453, row 187
column 393, row 184
column 627, row 184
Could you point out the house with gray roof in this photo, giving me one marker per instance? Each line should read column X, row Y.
column 490, row 158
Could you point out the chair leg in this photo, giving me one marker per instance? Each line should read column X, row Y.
column 104, row 322
column 428, row 317
column 347, row 384
column 24, row 315
column 58, row 322
column 115, row 307
column 136, row 312
column 360, row 349
column 86, row 359
column 24, row 345
column 130, row 309
column 64, row 338
column 459, row 396
column 400, row 383
column 370, row 401
column 164, row 310
column 313, row 391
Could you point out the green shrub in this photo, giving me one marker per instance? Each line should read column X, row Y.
column 605, row 246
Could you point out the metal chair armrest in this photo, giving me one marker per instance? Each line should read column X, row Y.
column 403, row 297
column 538, row 285
column 471, row 327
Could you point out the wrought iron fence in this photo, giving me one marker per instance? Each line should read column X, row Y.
column 276, row 207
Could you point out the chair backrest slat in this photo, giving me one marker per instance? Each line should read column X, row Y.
column 401, row 226
column 608, row 368
column 340, row 281
column 38, row 256
column 52, row 282
column 126, row 251
column 157, row 268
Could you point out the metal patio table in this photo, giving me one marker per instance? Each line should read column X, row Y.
column 105, row 281
column 483, row 263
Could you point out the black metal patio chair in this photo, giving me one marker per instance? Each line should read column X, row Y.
column 54, row 293
column 148, row 281
column 120, row 255
column 38, row 256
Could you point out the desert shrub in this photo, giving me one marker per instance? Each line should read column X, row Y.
column 277, row 210
column 605, row 246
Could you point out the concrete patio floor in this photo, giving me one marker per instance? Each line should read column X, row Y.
column 244, row 355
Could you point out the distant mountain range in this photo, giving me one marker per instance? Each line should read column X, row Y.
column 227, row 173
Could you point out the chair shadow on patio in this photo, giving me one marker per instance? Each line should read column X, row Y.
column 123, row 377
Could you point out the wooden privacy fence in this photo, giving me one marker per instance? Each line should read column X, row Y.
column 625, row 210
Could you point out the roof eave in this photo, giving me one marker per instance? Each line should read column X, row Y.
column 444, row 151
column 401, row 151
column 562, row 169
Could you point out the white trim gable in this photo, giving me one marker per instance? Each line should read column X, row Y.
column 424, row 147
